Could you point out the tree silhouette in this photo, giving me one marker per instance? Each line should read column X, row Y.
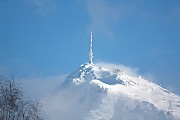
column 13, row 105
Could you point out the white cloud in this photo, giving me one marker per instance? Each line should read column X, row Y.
column 42, row 87
column 127, row 69
column 131, row 71
column 43, row 7
column 104, row 16
column 56, row 103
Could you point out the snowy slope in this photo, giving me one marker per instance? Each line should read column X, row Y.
column 111, row 94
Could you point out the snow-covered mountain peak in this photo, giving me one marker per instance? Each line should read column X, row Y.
column 88, row 72
column 115, row 82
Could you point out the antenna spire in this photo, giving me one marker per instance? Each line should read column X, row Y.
column 91, row 52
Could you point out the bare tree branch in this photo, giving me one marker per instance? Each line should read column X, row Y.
column 13, row 105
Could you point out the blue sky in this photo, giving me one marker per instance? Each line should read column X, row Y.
column 51, row 37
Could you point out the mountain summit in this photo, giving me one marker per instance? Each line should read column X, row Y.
column 114, row 95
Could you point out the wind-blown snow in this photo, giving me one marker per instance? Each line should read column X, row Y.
column 111, row 94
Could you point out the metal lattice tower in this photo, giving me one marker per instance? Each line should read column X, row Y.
column 91, row 51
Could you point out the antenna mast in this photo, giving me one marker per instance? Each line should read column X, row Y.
column 91, row 52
